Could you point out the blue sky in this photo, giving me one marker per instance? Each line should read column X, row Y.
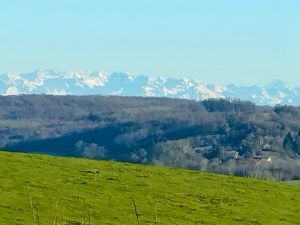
column 221, row 41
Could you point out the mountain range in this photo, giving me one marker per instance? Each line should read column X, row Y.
column 118, row 83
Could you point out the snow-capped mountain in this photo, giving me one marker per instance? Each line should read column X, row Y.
column 117, row 83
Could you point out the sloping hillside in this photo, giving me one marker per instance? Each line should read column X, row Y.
column 42, row 190
column 223, row 136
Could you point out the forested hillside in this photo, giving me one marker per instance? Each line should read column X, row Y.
column 225, row 136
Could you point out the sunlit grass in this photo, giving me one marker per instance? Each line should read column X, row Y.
column 45, row 190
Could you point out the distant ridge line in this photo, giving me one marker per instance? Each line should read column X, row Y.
column 122, row 84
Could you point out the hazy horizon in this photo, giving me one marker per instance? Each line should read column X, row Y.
column 241, row 42
column 156, row 77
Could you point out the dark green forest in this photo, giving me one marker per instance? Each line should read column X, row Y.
column 223, row 135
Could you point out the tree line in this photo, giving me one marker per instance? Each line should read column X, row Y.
column 215, row 135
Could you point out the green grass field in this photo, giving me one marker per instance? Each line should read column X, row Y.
column 45, row 190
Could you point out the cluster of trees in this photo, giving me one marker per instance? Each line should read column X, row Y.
column 226, row 136
column 292, row 144
column 181, row 153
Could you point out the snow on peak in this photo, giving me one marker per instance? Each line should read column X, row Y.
column 11, row 91
column 118, row 83
column 98, row 79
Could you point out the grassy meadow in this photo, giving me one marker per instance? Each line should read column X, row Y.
column 46, row 190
